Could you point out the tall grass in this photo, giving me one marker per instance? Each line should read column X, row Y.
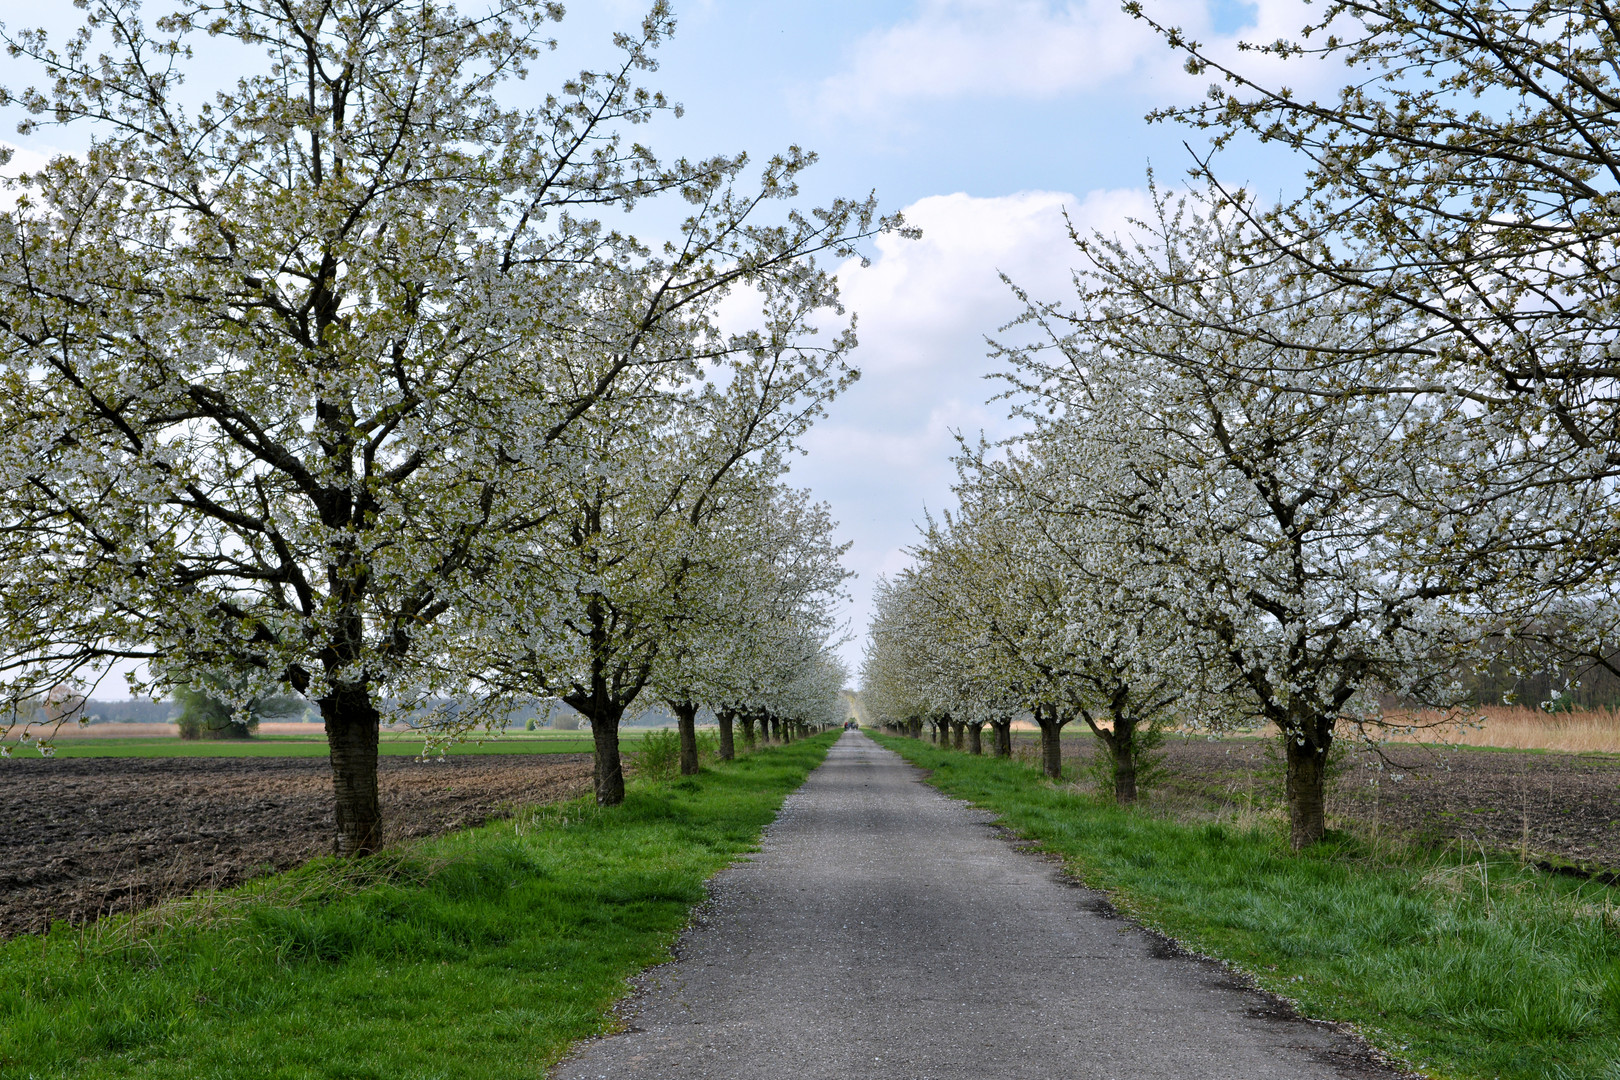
column 1462, row 963
column 1508, row 727
column 481, row 954
column 1517, row 727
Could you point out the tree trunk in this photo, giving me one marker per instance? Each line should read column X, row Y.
column 958, row 730
column 1003, row 737
column 773, row 729
column 748, row 730
column 1123, row 749
column 975, row 739
column 604, row 709
column 728, row 743
column 686, row 724
column 914, row 728
column 1051, row 743
column 352, row 728
column 1307, row 784
column 609, row 775
column 604, row 714
column 787, row 732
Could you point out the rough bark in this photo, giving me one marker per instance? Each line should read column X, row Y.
column 748, row 730
column 1123, row 749
column 1122, row 746
column 914, row 728
column 958, row 731
column 1051, row 742
column 352, row 729
column 975, row 742
column 773, row 729
column 604, row 712
column 608, row 778
column 1003, row 737
column 1306, row 753
column 686, row 725
column 728, row 743
column 603, row 702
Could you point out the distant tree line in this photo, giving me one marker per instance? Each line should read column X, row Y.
column 134, row 711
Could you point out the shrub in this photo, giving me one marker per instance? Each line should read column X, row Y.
column 205, row 717
column 1150, row 768
column 660, row 754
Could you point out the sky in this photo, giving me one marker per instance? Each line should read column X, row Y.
column 984, row 122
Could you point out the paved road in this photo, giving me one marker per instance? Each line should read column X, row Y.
column 885, row 930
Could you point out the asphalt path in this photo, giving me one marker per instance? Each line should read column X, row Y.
column 885, row 930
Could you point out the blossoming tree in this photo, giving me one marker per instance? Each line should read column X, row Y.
column 288, row 365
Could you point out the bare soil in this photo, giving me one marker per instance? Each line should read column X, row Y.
column 1559, row 807
column 90, row 836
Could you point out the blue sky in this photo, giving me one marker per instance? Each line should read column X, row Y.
column 984, row 120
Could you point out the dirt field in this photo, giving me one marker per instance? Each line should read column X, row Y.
column 1561, row 806
column 88, row 836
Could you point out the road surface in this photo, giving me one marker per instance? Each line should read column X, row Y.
column 885, row 930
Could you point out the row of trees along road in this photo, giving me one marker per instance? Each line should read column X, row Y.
column 347, row 377
column 1285, row 460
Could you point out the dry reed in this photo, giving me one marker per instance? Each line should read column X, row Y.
column 1517, row 727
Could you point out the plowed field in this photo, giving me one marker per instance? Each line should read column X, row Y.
column 88, row 836
column 1560, row 806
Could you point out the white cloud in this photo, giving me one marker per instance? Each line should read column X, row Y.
column 925, row 300
column 1027, row 48
column 926, row 306
column 1041, row 49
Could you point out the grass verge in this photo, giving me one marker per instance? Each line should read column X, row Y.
column 1465, row 964
column 480, row 954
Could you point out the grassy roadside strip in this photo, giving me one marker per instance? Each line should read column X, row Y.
column 1463, row 964
column 483, row 953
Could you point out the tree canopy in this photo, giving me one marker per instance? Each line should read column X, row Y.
column 305, row 373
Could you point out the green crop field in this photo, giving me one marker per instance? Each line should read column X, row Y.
column 400, row 744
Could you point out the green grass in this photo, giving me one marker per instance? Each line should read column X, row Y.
column 1464, row 964
column 480, row 954
column 393, row 744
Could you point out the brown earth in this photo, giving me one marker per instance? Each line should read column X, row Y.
column 1562, row 807
column 89, row 836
